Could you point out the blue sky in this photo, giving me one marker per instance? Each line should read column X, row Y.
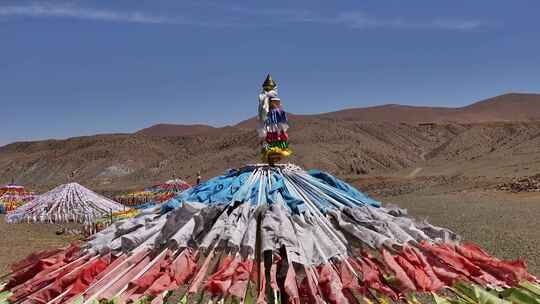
column 70, row 68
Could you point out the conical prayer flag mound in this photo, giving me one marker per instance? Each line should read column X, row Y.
column 164, row 192
column 65, row 203
column 172, row 185
column 271, row 234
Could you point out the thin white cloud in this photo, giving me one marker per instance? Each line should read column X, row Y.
column 241, row 16
column 359, row 20
column 462, row 25
column 62, row 11
column 362, row 21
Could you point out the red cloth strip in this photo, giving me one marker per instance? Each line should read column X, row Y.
column 88, row 276
column 276, row 260
column 241, row 279
column 118, row 266
column 122, row 281
column 398, row 271
column 330, row 285
column 511, row 272
column 46, row 270
column 200, row 275
column 261, row 299
column 220, row 282
column 309, row 288
column 458, row 263
column 32, row 269
column 417, row 258
column 372, row 275
column 61, row 283
column 291, row 287
column 138, row 287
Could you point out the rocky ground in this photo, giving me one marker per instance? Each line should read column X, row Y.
column 523, row 184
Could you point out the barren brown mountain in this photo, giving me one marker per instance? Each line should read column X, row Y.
column 489, row 138
column 508, row 107
column 175, row 130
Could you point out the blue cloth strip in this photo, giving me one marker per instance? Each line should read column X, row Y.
column 266, row 185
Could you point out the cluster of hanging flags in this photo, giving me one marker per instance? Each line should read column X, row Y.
column 272, row 123
column 270, row 234
column 13, row 196
column 153, row 195
column 136, row 199
column 65, row 203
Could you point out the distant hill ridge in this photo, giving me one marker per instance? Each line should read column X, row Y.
column 348, row 142
column 507, row 107
column 175, row 130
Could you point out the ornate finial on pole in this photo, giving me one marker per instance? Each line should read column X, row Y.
column 272, row 124
column 269, row 83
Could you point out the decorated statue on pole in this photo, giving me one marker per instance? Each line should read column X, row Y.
column 272, row 124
